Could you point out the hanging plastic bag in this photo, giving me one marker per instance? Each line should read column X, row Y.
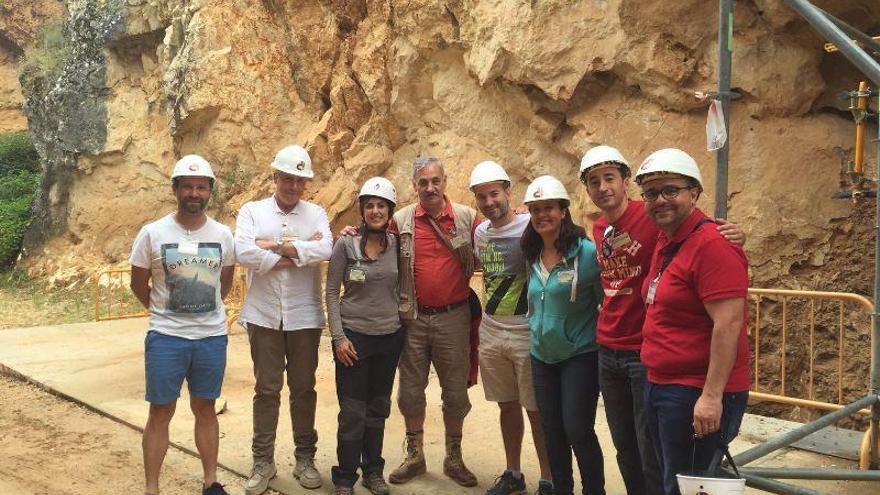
column 716, row 132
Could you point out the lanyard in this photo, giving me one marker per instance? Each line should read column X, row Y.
column 671, row 250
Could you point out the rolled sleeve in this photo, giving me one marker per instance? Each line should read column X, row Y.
column 246, row 251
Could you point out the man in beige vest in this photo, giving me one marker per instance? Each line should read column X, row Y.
column 436, row 263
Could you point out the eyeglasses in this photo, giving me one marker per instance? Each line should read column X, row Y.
column 668, row 192
column 607, row 237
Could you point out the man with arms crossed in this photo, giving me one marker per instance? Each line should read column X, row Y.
column 282, row 240
column 181, row 269
column 625, row 238
column 504, row 331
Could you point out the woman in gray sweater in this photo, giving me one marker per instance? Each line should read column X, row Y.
column 367, row 337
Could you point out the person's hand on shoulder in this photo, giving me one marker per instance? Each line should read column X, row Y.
column 349, row 231
column 731, row 231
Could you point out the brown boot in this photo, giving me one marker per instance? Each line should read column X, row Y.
column 414, row 463
column 453, row 465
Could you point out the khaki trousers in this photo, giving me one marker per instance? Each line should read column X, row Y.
column 274, row 352
column 442, row 339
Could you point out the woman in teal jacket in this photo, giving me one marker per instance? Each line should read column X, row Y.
column 564, row 296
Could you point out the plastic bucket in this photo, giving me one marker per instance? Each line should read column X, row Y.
column 697, row 485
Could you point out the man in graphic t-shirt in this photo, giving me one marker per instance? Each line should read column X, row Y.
column 504, row 331
column 181, row 269
column 625, row 239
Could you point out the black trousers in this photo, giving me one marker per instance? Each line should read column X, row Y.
column 364, row 392
column 567, row 395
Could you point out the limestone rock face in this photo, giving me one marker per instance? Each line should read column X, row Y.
column 369, row 85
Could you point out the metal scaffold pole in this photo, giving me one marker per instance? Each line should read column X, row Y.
column 838, row 33
column 875, row 335
column 725, row 49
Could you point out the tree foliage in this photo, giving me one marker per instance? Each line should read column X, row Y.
column 19, row 180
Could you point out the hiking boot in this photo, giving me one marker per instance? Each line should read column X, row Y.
column 375, row 483
column 304, row 471
column 214, row 489
column 414, row 462
column 453, row 465
column 258, row 481
column 342, row 490
column 545, row 488
column 508, row 484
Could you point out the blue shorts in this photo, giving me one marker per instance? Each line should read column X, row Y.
column 168, row 360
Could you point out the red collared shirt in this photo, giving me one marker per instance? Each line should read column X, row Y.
column 678, row 330
column 438, row 276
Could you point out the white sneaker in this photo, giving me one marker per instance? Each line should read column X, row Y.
column 258, row 481
column 304, row 471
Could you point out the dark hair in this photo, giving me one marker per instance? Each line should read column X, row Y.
column 362, row 203
column 174, row 181
column 569, row 234
column 624, row 171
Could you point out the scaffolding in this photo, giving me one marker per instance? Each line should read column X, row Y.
column 862, row 51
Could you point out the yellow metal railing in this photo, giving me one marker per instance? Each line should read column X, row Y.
column 783, row 314
column 794, row 312
column 113, row 299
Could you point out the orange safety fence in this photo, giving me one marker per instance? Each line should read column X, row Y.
column 804, row 343
column 114, row 300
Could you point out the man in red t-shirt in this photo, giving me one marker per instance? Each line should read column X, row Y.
column 695, row 347
column 625, row 239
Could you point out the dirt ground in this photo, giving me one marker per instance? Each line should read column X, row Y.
column 49, row 446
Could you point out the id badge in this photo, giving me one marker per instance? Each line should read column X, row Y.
column 621, row 241
column 458, row 242
column 565, row 276
column 357, row 275
column 188, row 246
column 652, row 290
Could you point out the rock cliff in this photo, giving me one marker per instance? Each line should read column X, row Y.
column 369, row 85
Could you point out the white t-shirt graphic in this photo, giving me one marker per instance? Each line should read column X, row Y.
column 185, row 271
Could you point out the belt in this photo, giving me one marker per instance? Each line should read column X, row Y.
column 433, row 310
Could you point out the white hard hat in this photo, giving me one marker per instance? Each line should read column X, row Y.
column 545, row 187
column 692, row 485
column 294, row 160
column 602, row 155
column 486, row 172
column 669, row 161
column 192, row 166
column 381, row 188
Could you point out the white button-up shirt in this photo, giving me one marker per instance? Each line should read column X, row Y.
column 287, row 298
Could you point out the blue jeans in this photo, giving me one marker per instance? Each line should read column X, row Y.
column 567, row 394
column 670, row 411
column 622, row 380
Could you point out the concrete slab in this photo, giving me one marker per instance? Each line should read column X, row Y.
column 101, row 365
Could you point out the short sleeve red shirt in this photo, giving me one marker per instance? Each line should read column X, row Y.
column 678, row 331
column 438, row 277
column 624, row 259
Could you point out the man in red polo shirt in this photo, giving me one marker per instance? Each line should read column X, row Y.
column 695, row 347
column 625, row 238
column 436, row 264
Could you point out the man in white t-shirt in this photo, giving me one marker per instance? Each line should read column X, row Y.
column 282, row 241
column 505, row 361
column 181, row 269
